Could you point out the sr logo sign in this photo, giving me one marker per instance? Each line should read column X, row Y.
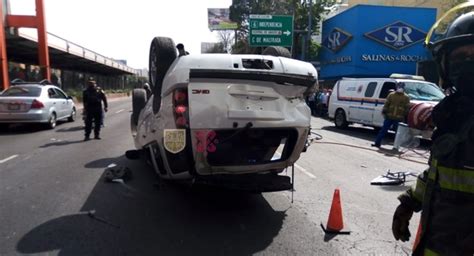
column 398, row 35
column 337, row 39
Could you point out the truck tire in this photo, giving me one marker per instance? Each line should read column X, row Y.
column 138, row 103
column 340, row 119
column 162, row 55
column 277, row 51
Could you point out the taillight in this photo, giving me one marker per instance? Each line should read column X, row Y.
column 180, row 108
column 37, row 104
column 180, row 96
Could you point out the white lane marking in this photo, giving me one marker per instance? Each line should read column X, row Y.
column 119, row 111
column 7, row 159
column 303, row 170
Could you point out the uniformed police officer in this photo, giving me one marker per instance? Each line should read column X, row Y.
column 445, row 192
column 92, row 99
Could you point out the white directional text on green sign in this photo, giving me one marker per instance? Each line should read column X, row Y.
column 267, row 30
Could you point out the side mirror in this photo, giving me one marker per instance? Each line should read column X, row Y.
column 69, row 98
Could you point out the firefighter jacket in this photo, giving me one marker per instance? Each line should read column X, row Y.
column 445, row 192
column 396, row 106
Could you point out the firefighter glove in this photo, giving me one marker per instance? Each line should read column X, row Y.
column 401, row 221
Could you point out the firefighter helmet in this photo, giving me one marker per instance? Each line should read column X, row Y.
column 453, row 30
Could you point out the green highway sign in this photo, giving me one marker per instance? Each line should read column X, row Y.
column 268, row 30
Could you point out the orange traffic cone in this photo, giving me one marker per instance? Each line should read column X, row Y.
column 335, row 223
column 417, row 238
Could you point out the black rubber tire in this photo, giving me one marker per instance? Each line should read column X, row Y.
column 162, row 54
column 72, row 117
column 340, row 119
column 138, row 103
column 278, row 51
column 52, row 121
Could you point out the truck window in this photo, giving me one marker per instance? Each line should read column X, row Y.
column 369, row 92
column 387, row 86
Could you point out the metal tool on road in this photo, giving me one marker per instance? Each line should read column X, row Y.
column 92, row 215
column 392, row 178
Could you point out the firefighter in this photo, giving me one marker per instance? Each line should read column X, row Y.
column 444, row 193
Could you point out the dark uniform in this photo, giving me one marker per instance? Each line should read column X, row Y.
column 445, row 192
column 93, row 98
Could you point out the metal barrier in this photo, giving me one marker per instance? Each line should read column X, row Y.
column 65, row 45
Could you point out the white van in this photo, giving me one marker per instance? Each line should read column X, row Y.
column 360, row 100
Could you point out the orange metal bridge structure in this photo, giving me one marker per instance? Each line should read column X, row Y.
column 47, row 50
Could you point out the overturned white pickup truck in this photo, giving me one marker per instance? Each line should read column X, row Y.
column 225, row 120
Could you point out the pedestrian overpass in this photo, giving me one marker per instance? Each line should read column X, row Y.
column 29, row 52
column 22, row 47
column 74, row 63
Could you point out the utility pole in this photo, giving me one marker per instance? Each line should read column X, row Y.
column 310, row 28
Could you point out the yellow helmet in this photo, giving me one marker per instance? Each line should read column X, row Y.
column 452, row 30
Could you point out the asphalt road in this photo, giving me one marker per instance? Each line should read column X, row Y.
column 50, row 182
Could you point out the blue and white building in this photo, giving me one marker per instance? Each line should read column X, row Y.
column 374, row 41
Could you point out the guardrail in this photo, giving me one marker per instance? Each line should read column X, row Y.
column 65, row 45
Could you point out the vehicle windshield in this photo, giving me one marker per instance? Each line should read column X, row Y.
column 21, row 91
column 423, row 91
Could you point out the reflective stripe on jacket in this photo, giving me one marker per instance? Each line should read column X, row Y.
column 447, row 218
column 445, row 195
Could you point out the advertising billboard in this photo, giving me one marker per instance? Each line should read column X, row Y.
column 218, row 19
column 375, row 41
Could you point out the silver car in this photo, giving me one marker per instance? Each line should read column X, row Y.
column 35, row 103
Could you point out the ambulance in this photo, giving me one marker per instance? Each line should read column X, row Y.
column 360, row 100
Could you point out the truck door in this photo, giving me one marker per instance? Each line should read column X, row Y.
column 386, row 89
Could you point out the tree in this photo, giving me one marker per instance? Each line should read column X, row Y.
column 226, row 37
column 217, row 48
column 241, row 9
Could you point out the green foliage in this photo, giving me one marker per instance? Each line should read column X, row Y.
column 314, row 49
column 75, row 93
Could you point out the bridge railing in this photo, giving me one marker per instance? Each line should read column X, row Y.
column 65, row 45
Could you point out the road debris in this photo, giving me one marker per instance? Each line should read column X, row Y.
column 117, row 174
column 392, row 178
column 92, row 215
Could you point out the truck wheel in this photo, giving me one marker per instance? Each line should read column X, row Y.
column 277, row 51
column 340, row 119
column 162, row 55
column 138, row 103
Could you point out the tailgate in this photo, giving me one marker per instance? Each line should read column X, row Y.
column 220, row 100
column 247, row 122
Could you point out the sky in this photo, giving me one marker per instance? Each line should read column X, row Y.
column 123, row 29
